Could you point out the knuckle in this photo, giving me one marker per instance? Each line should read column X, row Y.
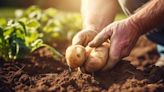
column 106, row 30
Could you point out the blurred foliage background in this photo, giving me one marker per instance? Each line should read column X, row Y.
column 72, row 5
column 7, row 7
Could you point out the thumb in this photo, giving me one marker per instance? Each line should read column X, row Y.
column 77, row 40
column 83, row 37
column 101, row 37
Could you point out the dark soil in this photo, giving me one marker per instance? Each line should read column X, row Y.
column 40, row 72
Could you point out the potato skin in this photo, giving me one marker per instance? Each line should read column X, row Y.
column 88, row 51
column 75, row 56
column 97, row 58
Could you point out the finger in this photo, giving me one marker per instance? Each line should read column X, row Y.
column 114, row 55
column 100, row 38
column 83, row 37
column 110, row 64
column 117, row 51
column 77, row 40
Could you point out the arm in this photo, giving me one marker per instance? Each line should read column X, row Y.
column 124, row 34
column 150, row 16
column 98, row 13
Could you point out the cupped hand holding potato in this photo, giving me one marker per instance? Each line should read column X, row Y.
column 123, row 36
column 90, row 59
column 75, row 55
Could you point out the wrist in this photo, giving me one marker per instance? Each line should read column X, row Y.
column 93, row 28
column 90, row 30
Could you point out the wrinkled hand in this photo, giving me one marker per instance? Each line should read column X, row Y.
column 83, row 37
column 123, row 36
column 96, row 57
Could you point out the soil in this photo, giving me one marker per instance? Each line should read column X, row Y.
column 39, row 72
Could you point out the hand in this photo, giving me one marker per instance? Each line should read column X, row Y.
column 83, row 37
column 123, row 36
column 97, row 57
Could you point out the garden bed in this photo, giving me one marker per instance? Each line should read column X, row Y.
column 40, row 72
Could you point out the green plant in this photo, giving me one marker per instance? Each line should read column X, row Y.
column 55, row 24
column 18, row 39
column 34, row 26
column 62, row 26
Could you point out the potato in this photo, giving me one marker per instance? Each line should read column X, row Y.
column 75, row 56
column 88, row 50
column 97, row 58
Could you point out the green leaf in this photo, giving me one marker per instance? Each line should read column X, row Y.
column 56, row 55
column 50, row 12
column 37, row 44
column 3, row 22
column 33, row 24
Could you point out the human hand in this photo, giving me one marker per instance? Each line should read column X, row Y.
column 123, row 36
column 84, row 37
column 95, row 58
